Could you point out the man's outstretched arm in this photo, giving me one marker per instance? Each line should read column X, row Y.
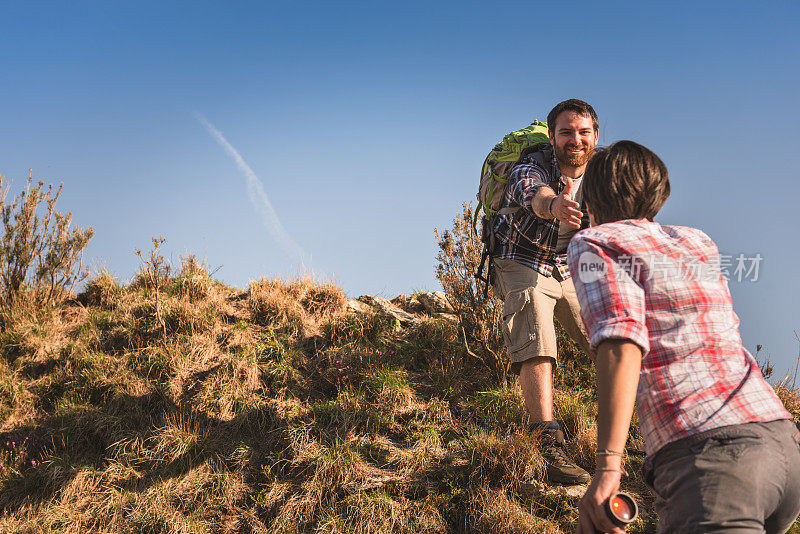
column 547, row 205
column 618, row 364
column 530, row 189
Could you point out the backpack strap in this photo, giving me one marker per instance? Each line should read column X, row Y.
column 509, row 210
column 488, row 238
column 489, row 278
column 541, row 154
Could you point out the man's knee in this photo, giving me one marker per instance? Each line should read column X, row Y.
column 535, row 366
column 531, row 363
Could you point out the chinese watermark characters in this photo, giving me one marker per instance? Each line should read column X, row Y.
column 741, row 267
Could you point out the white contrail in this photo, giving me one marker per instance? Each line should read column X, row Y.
column 255, row 190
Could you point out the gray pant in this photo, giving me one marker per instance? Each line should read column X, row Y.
column 734, row 479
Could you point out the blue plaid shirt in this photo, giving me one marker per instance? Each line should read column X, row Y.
column 523, row 236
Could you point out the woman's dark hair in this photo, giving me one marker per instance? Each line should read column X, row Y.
column 625, row 181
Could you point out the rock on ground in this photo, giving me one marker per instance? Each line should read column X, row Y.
column 435, row 302
column 388, row 309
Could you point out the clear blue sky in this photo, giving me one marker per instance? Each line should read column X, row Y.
column 367, row 124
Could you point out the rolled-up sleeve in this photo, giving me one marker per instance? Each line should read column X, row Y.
column 612, row 303
column 524, row 181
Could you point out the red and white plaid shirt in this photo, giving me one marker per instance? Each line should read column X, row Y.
column 661, row 287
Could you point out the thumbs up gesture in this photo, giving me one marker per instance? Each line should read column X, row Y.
column 567, row 191
column 564, row 208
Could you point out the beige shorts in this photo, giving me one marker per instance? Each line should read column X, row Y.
column 531, row 300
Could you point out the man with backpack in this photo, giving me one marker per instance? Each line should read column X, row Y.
column 529, row 232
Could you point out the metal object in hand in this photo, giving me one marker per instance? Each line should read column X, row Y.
column 621, row 509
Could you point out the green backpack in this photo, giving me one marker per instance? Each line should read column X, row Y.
column 500, row 161
column 494, row 179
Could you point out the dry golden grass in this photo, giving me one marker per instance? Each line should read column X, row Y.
column 577, row 412
column 502, row 461
column 300, row 305
column 102, row 290
column 790, row 396
column 196, row 407
column 379, row 512
column 494, row 512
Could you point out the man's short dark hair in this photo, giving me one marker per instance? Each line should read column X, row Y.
column 573, row 104
column 625, row 181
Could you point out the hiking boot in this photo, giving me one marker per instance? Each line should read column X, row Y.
column 560, row 467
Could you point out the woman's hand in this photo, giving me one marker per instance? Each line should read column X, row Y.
column 592, row 515
column 618, row 363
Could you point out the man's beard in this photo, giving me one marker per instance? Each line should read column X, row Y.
column 573, row 160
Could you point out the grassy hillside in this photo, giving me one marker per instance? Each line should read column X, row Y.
column 177, row 404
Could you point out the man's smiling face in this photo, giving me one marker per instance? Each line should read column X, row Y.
column 573, row 139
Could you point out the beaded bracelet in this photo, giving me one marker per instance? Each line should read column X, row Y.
column 620, row 470
column 608, row 452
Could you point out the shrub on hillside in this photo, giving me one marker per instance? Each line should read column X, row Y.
column 155, row 269
column 479, row 313
column 40, row 254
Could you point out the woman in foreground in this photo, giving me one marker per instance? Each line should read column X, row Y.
column 723, row 454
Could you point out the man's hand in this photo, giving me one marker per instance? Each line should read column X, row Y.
column 565, row 209
column 592, row 515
